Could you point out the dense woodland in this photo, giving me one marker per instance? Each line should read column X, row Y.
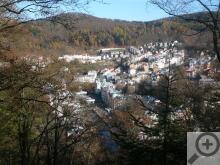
column 75, row 33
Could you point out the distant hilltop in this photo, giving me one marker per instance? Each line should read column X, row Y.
column 86, row 33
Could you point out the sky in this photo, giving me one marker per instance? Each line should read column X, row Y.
column 131, row 10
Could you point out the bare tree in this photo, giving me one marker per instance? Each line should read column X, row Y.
column 15, row 12
column 183, row 9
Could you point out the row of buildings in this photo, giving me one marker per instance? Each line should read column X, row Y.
column 112, row 97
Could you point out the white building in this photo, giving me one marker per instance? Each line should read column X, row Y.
column 90, row 77
column 81, row 58
column 132, row 72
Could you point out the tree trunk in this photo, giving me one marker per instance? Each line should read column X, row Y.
column 215, row 42
column 55, row 153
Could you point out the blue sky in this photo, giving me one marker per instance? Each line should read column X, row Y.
column 131, row 10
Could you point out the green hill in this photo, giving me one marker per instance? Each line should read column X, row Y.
column 86, row 33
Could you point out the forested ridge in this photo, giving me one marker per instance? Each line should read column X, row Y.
column 86, row 33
